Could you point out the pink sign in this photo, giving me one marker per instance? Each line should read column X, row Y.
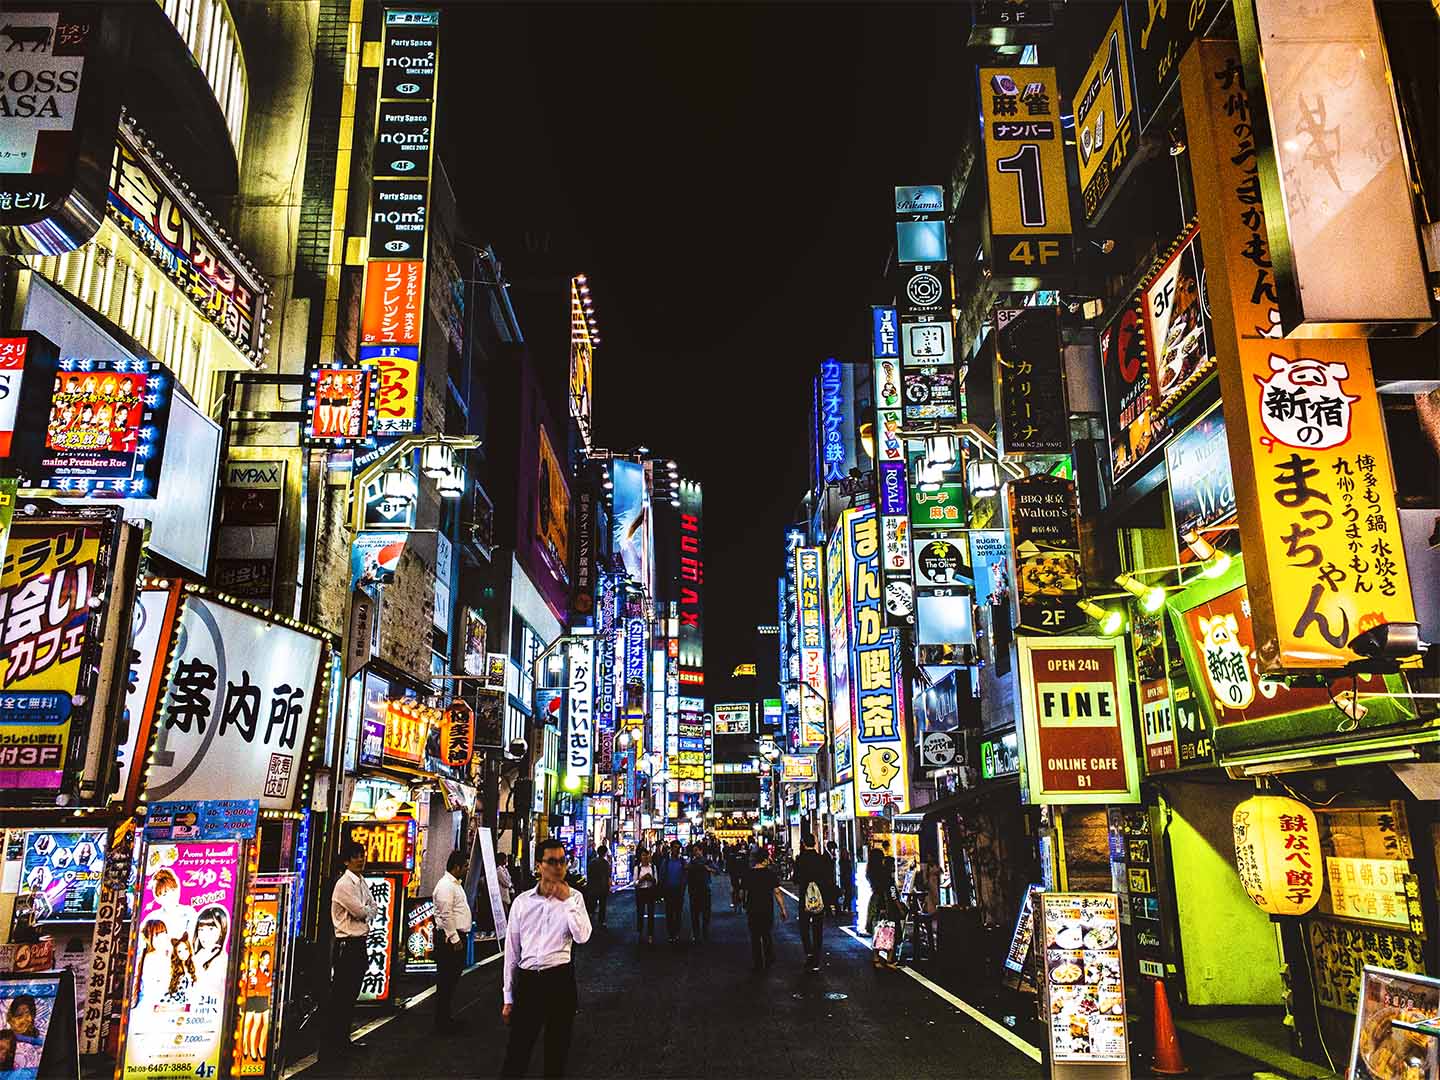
column 181, row 972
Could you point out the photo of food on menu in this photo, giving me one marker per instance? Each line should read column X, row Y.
column 1083, row 973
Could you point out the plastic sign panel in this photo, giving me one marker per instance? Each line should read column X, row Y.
column 104, row 430
column 264, row 946
column 241, row 698
column 1104, row 109
column 180, row 983
column 1084, row 981
column 1045, row 548
column 841, row 702
column 61, row 874
column 1078, row 738
column 798, row 769
column 52, row 571
column 733, row 719
column 180, row 237
column 1202, row 493
column 1030, row 377
column 341, row 407
column 1028, row 223
column 1334, row 174
column 407, row 731
column 813, row 675
column 61, row 115
column 382, row 941
column 579, row 743
column 1179, row 342
column 392, row 308
column 881, row 745
column 1134, row 428
column 389, row 845
column 831, row 427
column 1313, row 483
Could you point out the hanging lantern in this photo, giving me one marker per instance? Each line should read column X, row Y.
column 1277, row 852
column 452, row 484
column 457, row 735
column 435, row 460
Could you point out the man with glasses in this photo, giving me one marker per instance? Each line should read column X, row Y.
column 539, row 978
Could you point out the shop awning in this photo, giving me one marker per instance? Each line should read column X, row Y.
column 962, row 800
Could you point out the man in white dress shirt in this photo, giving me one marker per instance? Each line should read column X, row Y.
column 351, row 909
column 452, row 923
column 539, row 976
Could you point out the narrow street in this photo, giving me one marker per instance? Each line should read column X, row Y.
column 702, row 1011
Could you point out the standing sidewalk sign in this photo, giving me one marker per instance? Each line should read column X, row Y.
column 1084, row 986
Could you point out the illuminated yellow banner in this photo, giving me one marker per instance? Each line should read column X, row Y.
column 1029, row 223
column 1324, row 557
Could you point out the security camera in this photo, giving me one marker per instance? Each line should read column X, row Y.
column 1389, row 641
column 517, row 748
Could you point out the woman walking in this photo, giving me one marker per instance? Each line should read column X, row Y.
column 646, row 888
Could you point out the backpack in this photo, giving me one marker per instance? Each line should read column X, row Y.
column 814, row 901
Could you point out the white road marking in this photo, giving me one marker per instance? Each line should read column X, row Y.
column 989, row 1024
column 380, row 1021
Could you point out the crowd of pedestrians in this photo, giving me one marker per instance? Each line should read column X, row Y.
column 546, row 920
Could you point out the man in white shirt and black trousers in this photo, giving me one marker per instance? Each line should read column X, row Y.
column 539, row 976
column 351, row 909
column 452, row 923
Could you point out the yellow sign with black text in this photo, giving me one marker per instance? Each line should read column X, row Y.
column 1324, row 557
column 1029, row 231
column 1104, row 109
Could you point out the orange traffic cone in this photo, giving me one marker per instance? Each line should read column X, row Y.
column 1168, row 1060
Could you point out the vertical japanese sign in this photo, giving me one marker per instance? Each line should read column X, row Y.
column 392, row 308
column 1313, row 483
column 382, row 938
column 1134, row 429
column 1030, row 375
column 830, row 396
column 692, row 584
column 842, row 749
column 1045, row 546
column 1027, row 228
column 889, row 415
column 176, row 1004
column 579, row 749
column 582, row 359
column 882, row 772
column 810, row 582
column 51, row 573
column 260, row 982
column 1078, row 739
column 1104, row 109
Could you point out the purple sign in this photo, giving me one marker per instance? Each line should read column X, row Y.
column 894, row 499
column 884, row 333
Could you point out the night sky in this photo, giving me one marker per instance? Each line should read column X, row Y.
column 723, row 173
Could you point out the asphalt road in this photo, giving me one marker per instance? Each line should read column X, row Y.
column 699, row 1010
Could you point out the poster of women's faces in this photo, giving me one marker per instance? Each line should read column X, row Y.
column 181, row 973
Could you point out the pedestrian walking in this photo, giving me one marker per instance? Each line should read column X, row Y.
column 452, row 923
column 735, row 864
column 815, row 879
column 502, row 879
column 697, row 881
column 672, row 884
column 540, row 992
column 647, row 888
column 847, row 880
column 762, row 893
column 597, row 884
column 880, row 874
column 351, row 909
